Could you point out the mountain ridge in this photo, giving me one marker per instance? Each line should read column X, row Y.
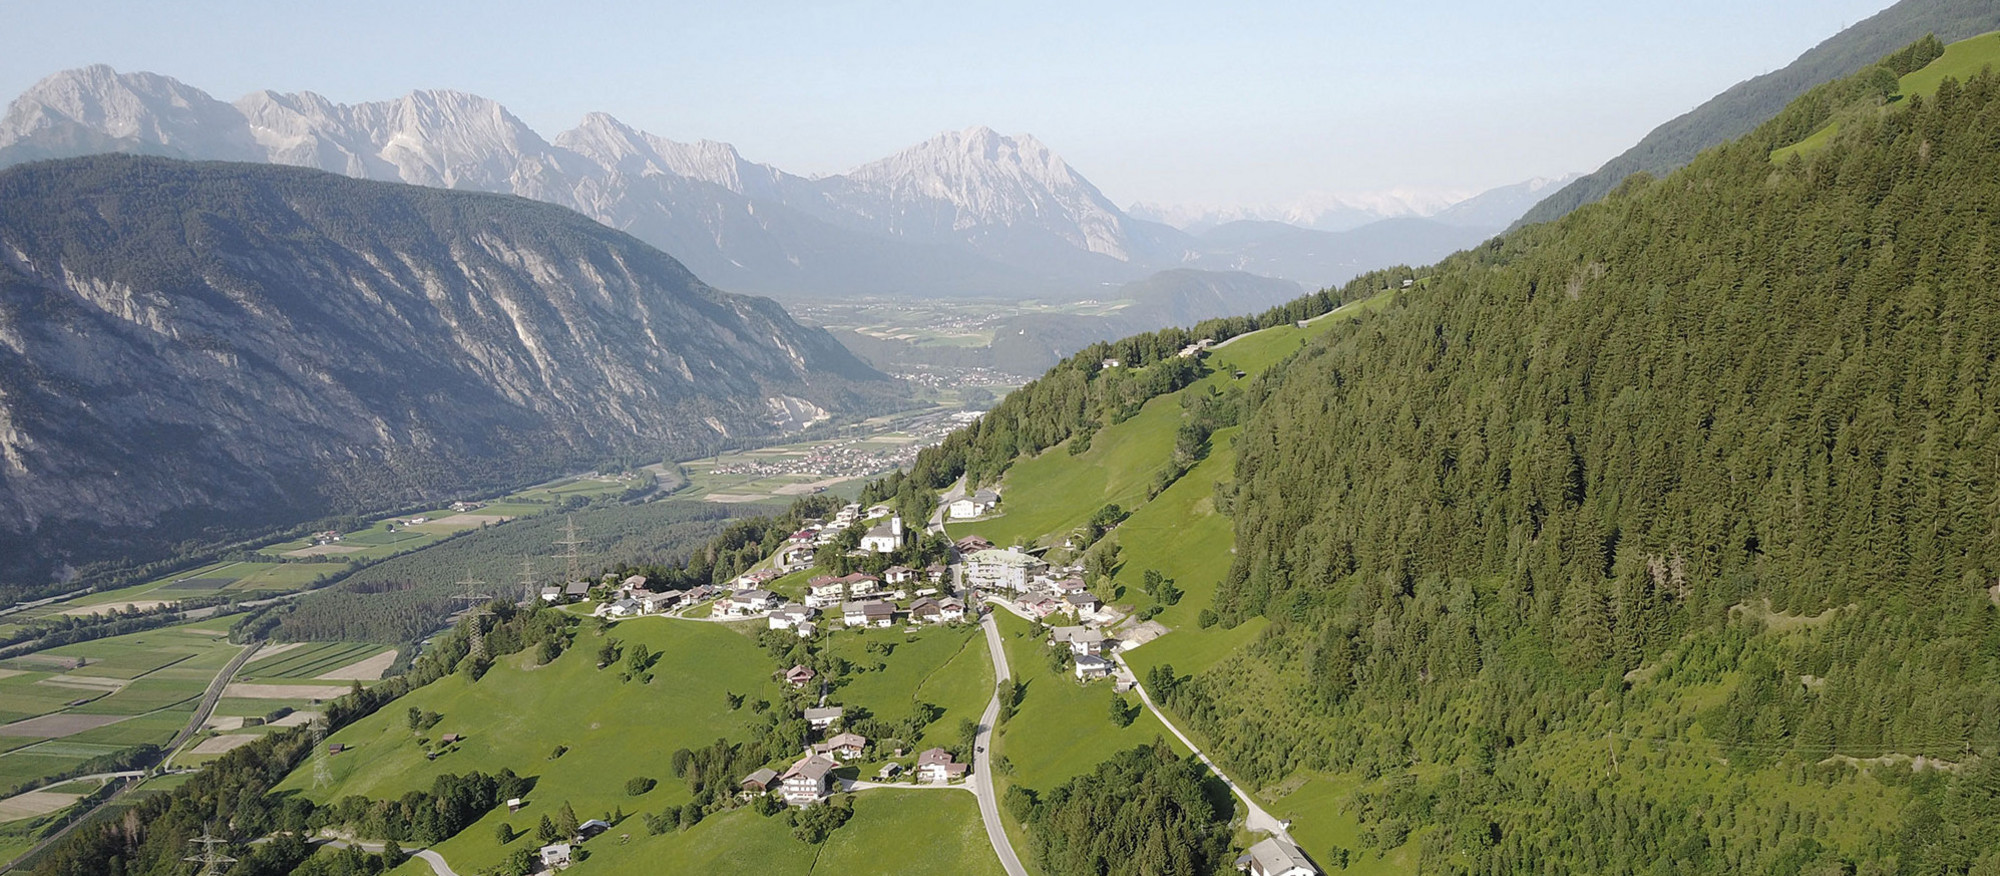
column 969, row 212
column 192, row 343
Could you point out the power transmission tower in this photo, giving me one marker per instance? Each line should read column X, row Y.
column 570, row 543
column 527, row 580
column 322, row 771
column 477, row 602
column 209, row 858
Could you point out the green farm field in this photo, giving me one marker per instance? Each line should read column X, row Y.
column 893, row 833
column 133, row 689
column 309, row 661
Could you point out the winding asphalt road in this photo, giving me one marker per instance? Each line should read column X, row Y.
column 982, row 769
column 434, row 859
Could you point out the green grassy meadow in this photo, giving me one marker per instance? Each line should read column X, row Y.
column 518, row 713
column 893, row 832
column 1062, row 729
column 1054, row 493
column 944, row 666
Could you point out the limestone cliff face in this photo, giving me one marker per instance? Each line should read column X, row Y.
column 185, row 344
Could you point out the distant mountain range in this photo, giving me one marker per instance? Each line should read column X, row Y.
column 968, row 212
column 194, row 349
column 1754, row 101
column 1495, row 208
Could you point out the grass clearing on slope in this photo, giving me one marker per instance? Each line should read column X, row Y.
column 1062, row 729
column 518, row 713
column 944, row 666
column 1055, row 492
column 1961, row 61
column 1047, row 496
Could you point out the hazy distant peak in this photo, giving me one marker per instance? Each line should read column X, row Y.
column 127, row 112
column 980, row 177
column 1494, row 208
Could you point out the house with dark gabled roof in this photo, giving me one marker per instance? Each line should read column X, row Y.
column 935, row 766
column 1088, row 667
column 845, row 746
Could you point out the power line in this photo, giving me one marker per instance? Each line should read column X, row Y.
column 209, row 858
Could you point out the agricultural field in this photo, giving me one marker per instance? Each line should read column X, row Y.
column 66, row 705
column 838, row 465
column 328, row 661
column 1062, row 728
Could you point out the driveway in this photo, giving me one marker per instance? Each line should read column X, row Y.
column 1254, row 816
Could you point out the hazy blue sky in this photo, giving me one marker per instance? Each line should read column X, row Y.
column 1215, row 103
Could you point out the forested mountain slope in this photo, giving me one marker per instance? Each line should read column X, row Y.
column 1659, row 538
column 188, row 345
column 1751, row 102
column 1705, row 473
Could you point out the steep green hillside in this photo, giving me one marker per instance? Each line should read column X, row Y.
column 1682, row 505
column 1749, row 103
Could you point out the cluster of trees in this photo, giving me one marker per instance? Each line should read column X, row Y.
column 401, row 599
column 1599, row 465
column 711, row 773
column 1144, row 811
column 425, row 817
column 67, row 629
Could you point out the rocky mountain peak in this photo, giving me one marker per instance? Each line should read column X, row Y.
column 96, row 106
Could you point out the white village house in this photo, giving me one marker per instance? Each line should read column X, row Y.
column 825, row 590
column 752, row 601
column 1082, row 641
column 974, row 505
column 808, row 781
column 790, row 615
column 935, row 766
column 872, row 612
column 1276, row 857
column 845, row 746
column 1088, row 667
column 823, row 717
column 555, row 856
